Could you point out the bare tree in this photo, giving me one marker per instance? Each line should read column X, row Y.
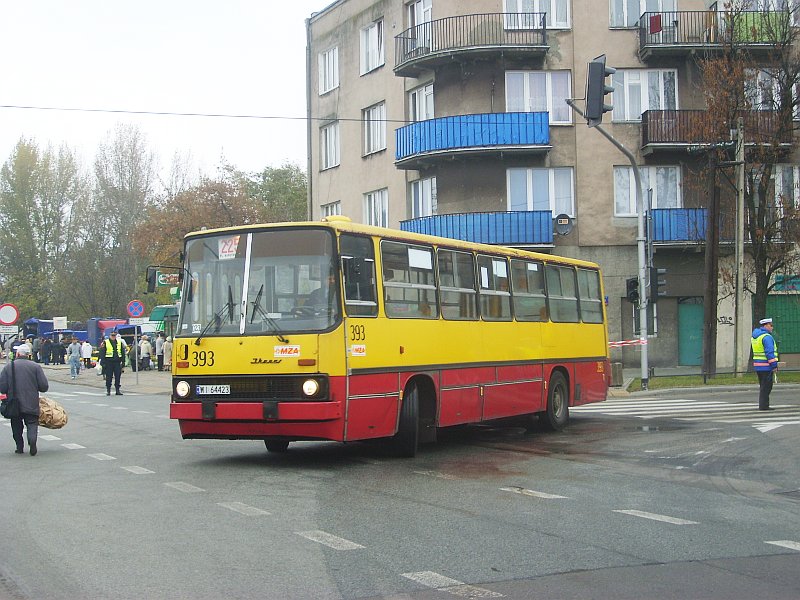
column 755, row 76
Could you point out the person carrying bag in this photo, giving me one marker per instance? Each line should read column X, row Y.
column 24, row 379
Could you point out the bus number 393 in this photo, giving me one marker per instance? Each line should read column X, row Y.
column 357, row 333
column 203, row 358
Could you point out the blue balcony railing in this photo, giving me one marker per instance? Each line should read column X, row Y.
column 516, row 228
column 465, row 133
column 678, row 224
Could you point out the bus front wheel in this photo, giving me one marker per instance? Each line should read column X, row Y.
column 276, row 445
column 556, row 416
column 406, row 441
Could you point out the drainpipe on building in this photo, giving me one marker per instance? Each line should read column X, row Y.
column 309, row 185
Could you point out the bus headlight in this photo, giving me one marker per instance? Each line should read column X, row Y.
column 182, row 389
column 310, row 387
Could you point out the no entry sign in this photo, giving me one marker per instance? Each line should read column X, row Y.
column 8, row 314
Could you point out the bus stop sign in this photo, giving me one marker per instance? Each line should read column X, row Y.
column 135, row 308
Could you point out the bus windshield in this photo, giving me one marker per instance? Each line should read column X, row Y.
column 269, row 282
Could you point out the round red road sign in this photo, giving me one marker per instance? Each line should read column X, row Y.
column 8, row 314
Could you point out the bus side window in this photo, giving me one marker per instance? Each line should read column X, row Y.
column 457, row 285
column 358, row 268
column 530, row 302
column 590, row 299
column 495, row 298
column 562, row 293
column 409, row 285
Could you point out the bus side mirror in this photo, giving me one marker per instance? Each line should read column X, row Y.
column 152, row 274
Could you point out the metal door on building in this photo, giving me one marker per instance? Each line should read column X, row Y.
column 690, row 331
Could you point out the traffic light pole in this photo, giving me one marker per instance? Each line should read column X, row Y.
column 641, row 244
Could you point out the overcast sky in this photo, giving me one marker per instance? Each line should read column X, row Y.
column 237, row 57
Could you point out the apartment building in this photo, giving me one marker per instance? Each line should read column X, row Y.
column 450, row 117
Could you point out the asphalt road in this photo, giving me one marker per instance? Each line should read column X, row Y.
column 670, row 495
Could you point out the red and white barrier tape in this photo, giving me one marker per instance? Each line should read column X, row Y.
column 637, row 342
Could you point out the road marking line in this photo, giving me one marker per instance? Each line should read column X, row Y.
column 655, row 517
column 786, row 544
column 96, row 404
column 453, row 586
column 83, row 402
column 138, row 470
column 49, row 438
column 182, row 486
column 770, row 426
column 327, row 539
column 90, row 393
column 436, row 474
column 162, row 416
column 101, row 456
column 250, row 511
column 535, row 494
column 119, row 408
column 142, row 412
column 73, row 446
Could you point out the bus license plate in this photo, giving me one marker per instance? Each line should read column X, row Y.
column 208, row 390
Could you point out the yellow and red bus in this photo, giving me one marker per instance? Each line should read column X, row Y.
column 338, row 331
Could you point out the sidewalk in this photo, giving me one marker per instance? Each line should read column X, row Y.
column 150, row 382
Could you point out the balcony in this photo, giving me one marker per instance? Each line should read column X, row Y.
column 671, row 130
column 426, row 142
column 681, row 226
column 519, row 228
column 428, row 45
column 679, row 33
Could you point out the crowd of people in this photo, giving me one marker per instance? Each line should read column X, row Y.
column 79, row 354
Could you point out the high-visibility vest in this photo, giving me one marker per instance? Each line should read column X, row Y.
column 760, row 354
column 110, row 349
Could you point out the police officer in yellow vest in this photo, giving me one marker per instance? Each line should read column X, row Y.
column 765, row 360
column 112, row 356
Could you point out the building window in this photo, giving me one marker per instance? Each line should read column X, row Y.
column 542, row 189
column 328, row 70
column 665, row 182
column 329, row 146
column 420, row 103
column 538, row 91
column 423, row 197
column 374, row 119
column 787, row 185
column 626, row 13
column 376, row 208
column 419, row 21
column 372, row 47
column 638, row 90
column 332, row 208
column 519, row 13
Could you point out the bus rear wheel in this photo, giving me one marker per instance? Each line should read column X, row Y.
column 406, row 440
column 556, row 416
column 276, row 445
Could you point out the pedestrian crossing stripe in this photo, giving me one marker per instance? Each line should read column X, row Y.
column 697, row 410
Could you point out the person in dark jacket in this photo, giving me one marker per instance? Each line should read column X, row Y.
column 112, row 357
column 22, row 380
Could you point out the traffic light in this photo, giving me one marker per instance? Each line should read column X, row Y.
column 657, row 284
column 632, row 290
column 596, row 90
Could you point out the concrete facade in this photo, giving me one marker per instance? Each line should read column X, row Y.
column 476, row 83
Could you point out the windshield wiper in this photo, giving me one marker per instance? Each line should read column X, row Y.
column 216, row 320
column 272, row 322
